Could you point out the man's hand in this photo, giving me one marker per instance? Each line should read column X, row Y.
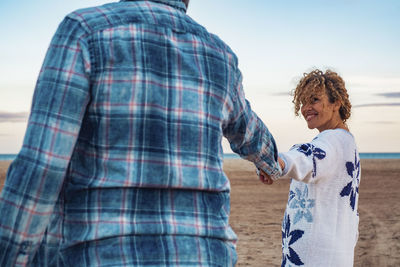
column 265, row 178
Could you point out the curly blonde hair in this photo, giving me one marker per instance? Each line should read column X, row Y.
column 314, row 82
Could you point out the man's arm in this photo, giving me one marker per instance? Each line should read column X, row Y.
column 36, row 176
column 247, row 134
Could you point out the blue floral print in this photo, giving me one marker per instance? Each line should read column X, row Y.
column 303, row 204
column 288, row 239
column 351, row 189
column 308, row 150
column 291, row 195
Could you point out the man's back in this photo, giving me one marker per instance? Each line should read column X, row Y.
column 132, row 102
column 158, row 100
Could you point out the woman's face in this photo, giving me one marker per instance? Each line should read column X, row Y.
column 320, row 113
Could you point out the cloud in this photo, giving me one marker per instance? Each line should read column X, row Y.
column 13, row 116
column 390, row 95
column 377, row 105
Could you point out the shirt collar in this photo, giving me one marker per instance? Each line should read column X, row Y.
column 178, row 4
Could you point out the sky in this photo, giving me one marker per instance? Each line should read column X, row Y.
column 275, row 41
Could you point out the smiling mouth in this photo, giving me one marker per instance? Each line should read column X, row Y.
column 310, row 116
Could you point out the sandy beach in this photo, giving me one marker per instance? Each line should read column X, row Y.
column 257, row 211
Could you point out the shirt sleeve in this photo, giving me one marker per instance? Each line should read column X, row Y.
column 309, row 162
column 247, row 134
column 36, row 176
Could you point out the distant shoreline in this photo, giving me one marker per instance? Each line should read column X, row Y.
column 381, row 155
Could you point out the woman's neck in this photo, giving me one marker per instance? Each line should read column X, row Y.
column 338, row 125
column 341, row 125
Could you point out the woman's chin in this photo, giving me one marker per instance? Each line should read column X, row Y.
column 310, row 126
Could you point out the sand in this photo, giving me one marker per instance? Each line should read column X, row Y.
column 257, row 211
column 3, row 170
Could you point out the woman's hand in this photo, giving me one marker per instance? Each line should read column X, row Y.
column 264, row 177
column 281, row 163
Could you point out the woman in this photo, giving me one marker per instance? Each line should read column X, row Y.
column 320, row 226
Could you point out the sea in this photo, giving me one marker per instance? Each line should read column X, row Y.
column 235, row 156
column 362, row 155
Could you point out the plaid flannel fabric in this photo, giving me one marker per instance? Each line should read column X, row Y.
column 122, row 159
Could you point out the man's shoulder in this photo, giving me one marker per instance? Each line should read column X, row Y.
column 224, row 46
column 95, row 18
column 114, row 14
column 109, row 15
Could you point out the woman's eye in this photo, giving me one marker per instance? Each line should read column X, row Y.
column 315, row 99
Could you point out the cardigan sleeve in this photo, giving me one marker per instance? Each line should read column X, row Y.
column 310, row 162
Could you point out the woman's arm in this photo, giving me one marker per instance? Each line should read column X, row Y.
column 307, row 162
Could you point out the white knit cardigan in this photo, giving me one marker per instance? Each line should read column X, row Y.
column 320, row 226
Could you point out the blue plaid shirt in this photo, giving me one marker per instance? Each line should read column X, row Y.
column 122, row 159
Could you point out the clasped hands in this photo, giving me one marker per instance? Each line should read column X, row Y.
column 265, row 178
